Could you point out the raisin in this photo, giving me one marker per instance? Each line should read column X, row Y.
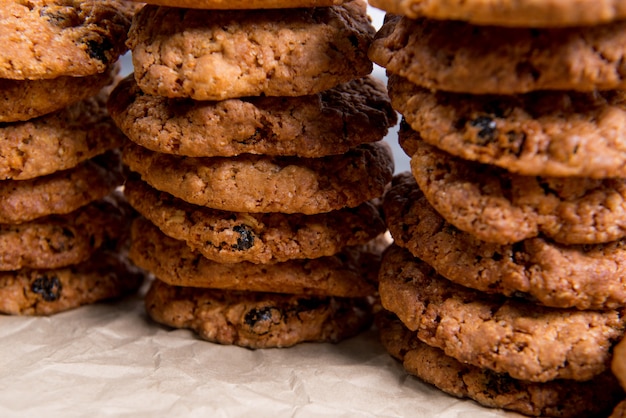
column 64, row 17
column 98, row 50
column 48, row 287
column 486, row 126
column 498, row 382
column 246, row 238
column 260, row 320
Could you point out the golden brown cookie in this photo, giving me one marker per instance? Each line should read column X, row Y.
column 618, row 362
column 525, row 340
column 257, row 183
column 557, row 398
column 60, row 240
column 105, row 275
column 21, row 100
column 215, row 55
column 536, row 269
column 351, row 273
column 497, row 206
column 230, row 237
column 57, row 141
column 45, row 39
column 315, row 125
column 455, row 56
column 524, row 13
column 559, row 134
column 255, row 319
column 60, row 192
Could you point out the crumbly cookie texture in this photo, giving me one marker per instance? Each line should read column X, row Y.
column 61, row 192
column 60, row 240
column 524, row 13
column 215, row 55
column 105, row 275
column 231, row 237
column 315, row 125
column 256, row 319
column 243, row 4
column 526, row 341
column 557, row 398
column 558, row 134
column 45, row 39
column 351, row 273
column 536, row 269
column 458, row 57
column 22, row 100
column 497, row 206
column 58, row 141
column 255, row 183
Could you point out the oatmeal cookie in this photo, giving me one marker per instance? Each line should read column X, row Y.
column 536, row 269
column 256, row 319
column 243, row 4
column 557, row 398
column 45, row 39
column 258, row 183
column 525, row 340
column 458, row 57
column 215, row 55
column 330, row 122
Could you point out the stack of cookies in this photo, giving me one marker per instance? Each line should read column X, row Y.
column 507, row 278
column 256, row 160
column 61, row 225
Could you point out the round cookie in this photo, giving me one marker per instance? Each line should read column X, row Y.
column 496, row 206
column 257, row 183
column 48, row 291
column 52, row 38
column 243, row 4
column 330, row 122
column 526, row 341
column 559, row 134
column 256, row 319
column 351, row 273
column 231, row 237
column 538, row 270
column 618, row 362
column 58, row 141
column 59, row 240
column 60, row 192
column 557, row 398
column 458, row 57
column 215, row 55
column 524, row 13
column 22, row 100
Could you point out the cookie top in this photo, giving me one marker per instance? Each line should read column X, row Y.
column 524, row 340
column 105, row 275
column 21, row 100
column 524, row 13
column 351, row 273
column 232, row 237
column 536, row 269
column 558, row 134
column 557, row 398
column 59, row 240
column 243, row 4
column 57, row 141
column 53, row 38
column 455, row 56
column 258, row 183
column 315, row 125
column 497, row 206
column 256, row 319
column 215, row 55
column 60, row 192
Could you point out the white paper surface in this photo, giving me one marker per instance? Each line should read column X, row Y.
column 110, row 359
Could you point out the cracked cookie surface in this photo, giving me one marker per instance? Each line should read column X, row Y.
column 315, row 125
column 215, row 55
